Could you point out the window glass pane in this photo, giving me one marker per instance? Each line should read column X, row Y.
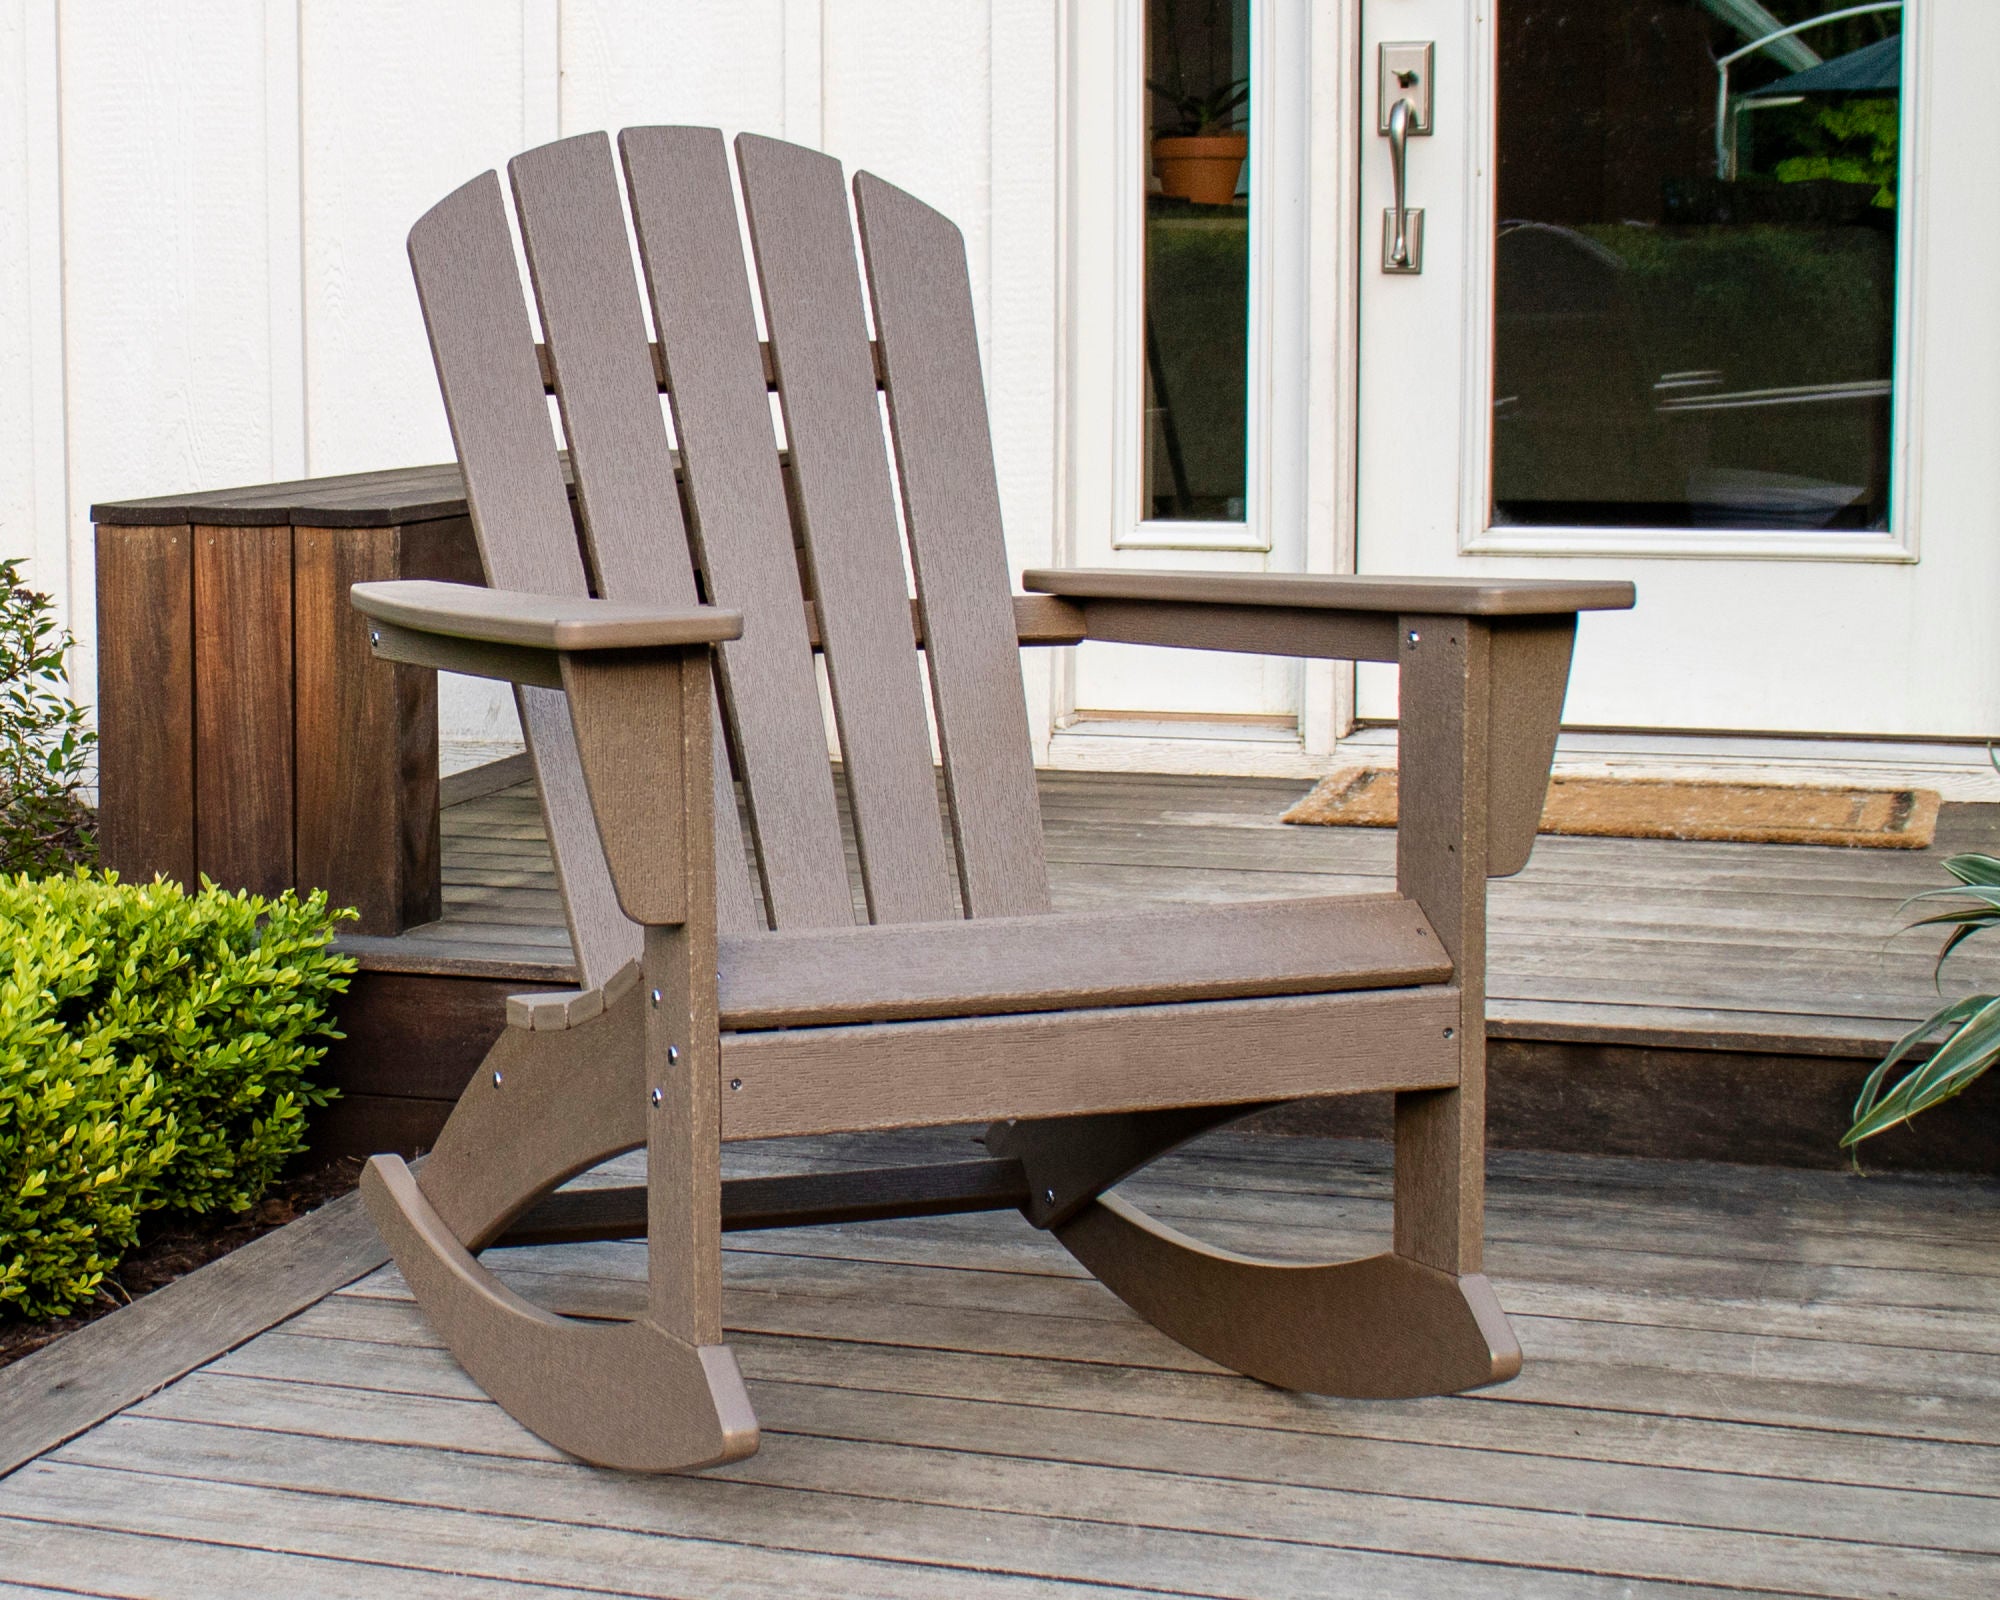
column 1197, row 259
column 1695, row 270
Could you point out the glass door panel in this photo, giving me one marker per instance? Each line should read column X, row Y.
column 1694, row 268
column 1197, row 250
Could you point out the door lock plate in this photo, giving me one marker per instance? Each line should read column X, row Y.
column 1405, row 74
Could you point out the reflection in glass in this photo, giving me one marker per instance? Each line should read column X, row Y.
column 1197, row 259
column 1694, row 276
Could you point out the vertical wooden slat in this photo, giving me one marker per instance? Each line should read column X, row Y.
column 484, row 348
column 366, row 758
column 145, row 702
column 803, row 239
column 1441, row 864
column 685, row 212
column 243, row 706
column 566, row 195
column 580, row 259
column 951, row 506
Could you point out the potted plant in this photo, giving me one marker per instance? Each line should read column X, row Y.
column 1199, row 154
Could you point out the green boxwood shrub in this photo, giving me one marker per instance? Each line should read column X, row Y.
column 155, row 1052
column 45, row 744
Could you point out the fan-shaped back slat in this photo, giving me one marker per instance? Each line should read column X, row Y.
column 802, row 238
column 484, row 349
column 566, row 195
column 685, row 212
column 951, row 505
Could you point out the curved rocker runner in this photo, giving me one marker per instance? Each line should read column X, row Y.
column 661, row 631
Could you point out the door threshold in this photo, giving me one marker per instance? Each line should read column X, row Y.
column 1184, row 745
column 1961, row 772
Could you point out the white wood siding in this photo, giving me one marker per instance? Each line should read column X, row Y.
column 203, row 205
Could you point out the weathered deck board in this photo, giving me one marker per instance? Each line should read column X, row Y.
column 1738, row 1381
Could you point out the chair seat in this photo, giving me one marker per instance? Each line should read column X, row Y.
column 1153, row 956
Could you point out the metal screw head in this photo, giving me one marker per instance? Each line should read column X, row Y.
column 656, row 997
column 1414, row 636
column 736, row 1083
column 658, row 1096
column 1451, row 1033
column 673, row 1054
column 1049, row 1195
column 496, row 1080
column 374, row 636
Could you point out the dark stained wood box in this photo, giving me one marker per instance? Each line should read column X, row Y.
column 246, row 731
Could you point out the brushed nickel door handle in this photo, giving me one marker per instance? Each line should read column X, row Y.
column 1403, row 103
column 1397, row 252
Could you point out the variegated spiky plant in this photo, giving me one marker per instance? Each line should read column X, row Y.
column 1973, row 1044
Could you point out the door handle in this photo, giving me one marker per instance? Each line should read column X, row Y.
column 1404, row 103
column 1403, row 228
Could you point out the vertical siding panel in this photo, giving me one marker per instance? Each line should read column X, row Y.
column 283, row 237
column 401, row 103
column 906, row 96
column 1023, row 368
column 720, row 63
column 164, row 288
column 31, row 486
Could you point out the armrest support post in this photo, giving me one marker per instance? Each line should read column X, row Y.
column 645, row 735
column 1530, row 676
column 1443, row 756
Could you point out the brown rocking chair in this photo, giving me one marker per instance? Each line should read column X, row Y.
column 713, row 1010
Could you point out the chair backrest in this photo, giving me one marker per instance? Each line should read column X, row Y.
column 732, row 533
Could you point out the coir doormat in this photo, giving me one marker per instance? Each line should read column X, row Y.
column 1658, row 808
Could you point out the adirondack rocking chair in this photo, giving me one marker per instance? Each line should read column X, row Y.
column 728, row 993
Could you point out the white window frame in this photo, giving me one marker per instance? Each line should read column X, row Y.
column 1278, row 352
column 1478, row 535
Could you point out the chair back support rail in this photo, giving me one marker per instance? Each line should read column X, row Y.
column 730, row 986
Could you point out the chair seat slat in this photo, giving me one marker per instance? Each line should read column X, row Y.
column 1002, row 965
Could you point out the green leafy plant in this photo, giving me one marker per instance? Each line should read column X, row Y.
column 155, row 1053
column 1973, row 1043
column 44, row 745
column 1848, row 141
column 1216, row 110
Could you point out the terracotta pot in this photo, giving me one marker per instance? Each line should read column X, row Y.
column 1201, row 167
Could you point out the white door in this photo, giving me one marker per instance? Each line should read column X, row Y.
column 1735, row 337
column 1200, row 431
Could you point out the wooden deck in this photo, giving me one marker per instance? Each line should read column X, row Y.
column 1737, row 1381
column 1646, row 997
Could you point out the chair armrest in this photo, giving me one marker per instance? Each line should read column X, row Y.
column 1293, row 614
column 639, row 702
column 523, row 638
column 540, row 621
column 1446, row 597
column 1524, row 628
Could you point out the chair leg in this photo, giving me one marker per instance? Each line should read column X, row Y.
column 1377, row 1327
column 661, row 1393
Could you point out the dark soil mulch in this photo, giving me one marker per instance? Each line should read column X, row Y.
column 170, row 1247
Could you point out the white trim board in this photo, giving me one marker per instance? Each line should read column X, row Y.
column 1959, row 772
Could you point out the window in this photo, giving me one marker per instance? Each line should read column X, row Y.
column 1695, row 264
